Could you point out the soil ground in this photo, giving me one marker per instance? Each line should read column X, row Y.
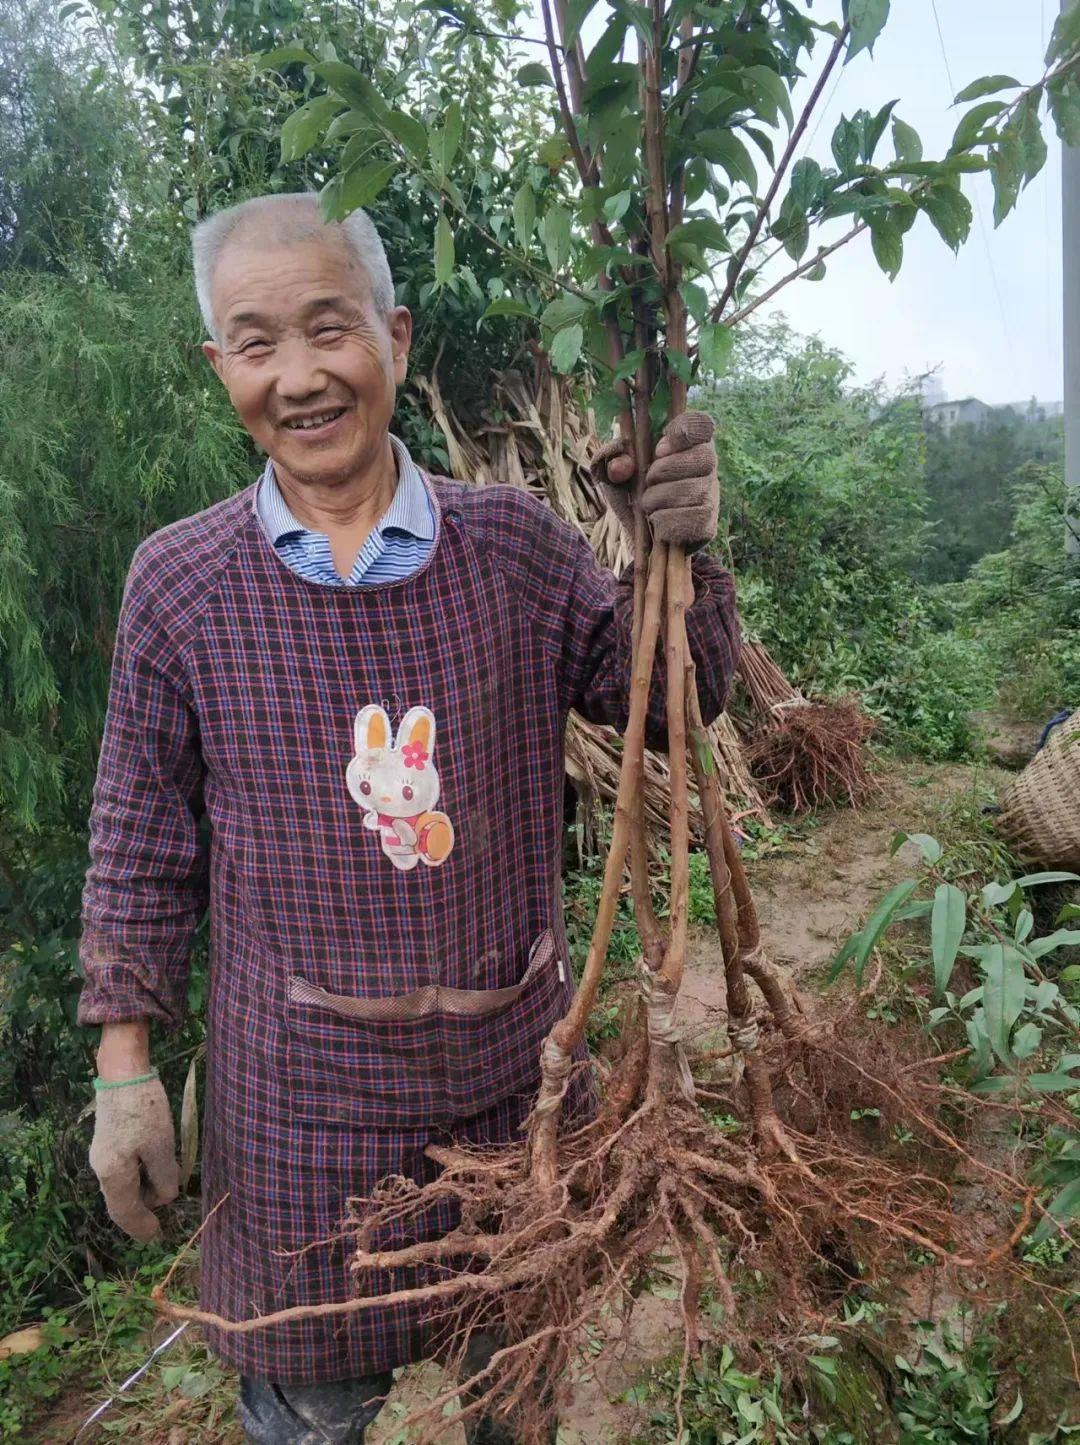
column 811, row 895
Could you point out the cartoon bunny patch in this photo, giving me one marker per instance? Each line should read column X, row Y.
column 395, row 783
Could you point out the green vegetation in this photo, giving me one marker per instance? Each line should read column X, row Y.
column 1020, row 606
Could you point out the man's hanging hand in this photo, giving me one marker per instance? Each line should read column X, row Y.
column 682, row 489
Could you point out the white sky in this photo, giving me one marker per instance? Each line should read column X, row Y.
column 990, row 318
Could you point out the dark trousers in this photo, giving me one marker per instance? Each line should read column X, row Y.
column 340, row 1412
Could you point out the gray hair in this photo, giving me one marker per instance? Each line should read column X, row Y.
column 283, row 220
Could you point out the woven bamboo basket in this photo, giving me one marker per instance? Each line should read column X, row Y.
column 1040, row 812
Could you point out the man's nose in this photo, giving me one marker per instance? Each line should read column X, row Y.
column 300, row 373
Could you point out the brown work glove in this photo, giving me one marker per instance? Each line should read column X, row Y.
column 133, row 1127
column 682, row 490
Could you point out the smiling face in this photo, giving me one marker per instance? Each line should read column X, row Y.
column 310, row 363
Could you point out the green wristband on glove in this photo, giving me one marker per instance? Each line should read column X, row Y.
column 100, row 1085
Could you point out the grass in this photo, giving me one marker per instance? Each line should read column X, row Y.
column 87, row 1352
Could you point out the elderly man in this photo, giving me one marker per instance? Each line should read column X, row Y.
column 360, row 675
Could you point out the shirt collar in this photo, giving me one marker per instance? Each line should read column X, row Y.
column 409, row 510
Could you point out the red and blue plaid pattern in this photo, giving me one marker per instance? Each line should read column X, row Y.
column 236, row 682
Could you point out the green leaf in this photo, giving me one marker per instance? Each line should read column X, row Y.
column 524, row 215
column 949, row 211
column 845, row 952
column 770, row 87
column 357, row 89
column 703, row 231
column 988, row 85
column 555, row 234
column 867, row 20
column 679, row 363
column 1026, row 1040
column 576, row 12
column 640, row 18
column 285, row 55
column 997, row 1084
column 887, row 243
column 947, row 924
column 1015, row 1412
column 697, row 303
column 1031, row 137
column 444, row 251
column 444, row 143
column 973, row 125
column 565, row 311
column 715, row 343
column 879, row 921
column 565, row 348
column 1065, row 35
column 807, row 184
column 725, row 149
column 1003, row 995
column 929, row 848
column 1060, row 938
column 506, row 306
column 304, row 127
column 408, row 131
column 534, row 74
column 1065, row 1206
column 1036, row 880
column 629, row 364
column 1063, row 97
column 361, row 184
column 792, row 228
column 616, row 207
column 1053, row 1083
column 845, row 146
column 906, row 141
column 1007, row 173
column 554, row 152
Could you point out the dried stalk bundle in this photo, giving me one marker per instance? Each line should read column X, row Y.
column 805, row 752
column 593, row 759
column 532, row 435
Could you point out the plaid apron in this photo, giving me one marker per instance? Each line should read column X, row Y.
column 382, row 772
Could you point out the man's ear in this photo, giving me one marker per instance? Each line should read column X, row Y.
column 212, row 351
column 399, row 322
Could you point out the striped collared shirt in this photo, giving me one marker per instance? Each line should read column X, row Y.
column 398, row 546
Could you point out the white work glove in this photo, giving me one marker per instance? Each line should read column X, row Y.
column 133, row 1131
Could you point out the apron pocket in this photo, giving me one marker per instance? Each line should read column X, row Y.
column 424, row 1058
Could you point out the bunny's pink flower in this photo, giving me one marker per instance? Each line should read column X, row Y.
column 414, row 756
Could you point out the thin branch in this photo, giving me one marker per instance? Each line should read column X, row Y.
column 794, row 275
column 585, row 163
column 736, row 268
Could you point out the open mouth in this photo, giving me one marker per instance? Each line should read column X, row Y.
column 316, row 424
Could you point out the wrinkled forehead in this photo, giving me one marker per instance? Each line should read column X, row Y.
column 282, row 280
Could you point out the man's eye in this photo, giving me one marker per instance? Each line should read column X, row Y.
column 256, row 344
column 329, row 331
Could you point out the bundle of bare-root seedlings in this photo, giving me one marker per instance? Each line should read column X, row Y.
column 804, row 752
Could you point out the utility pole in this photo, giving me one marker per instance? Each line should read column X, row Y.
column 1070, row 266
